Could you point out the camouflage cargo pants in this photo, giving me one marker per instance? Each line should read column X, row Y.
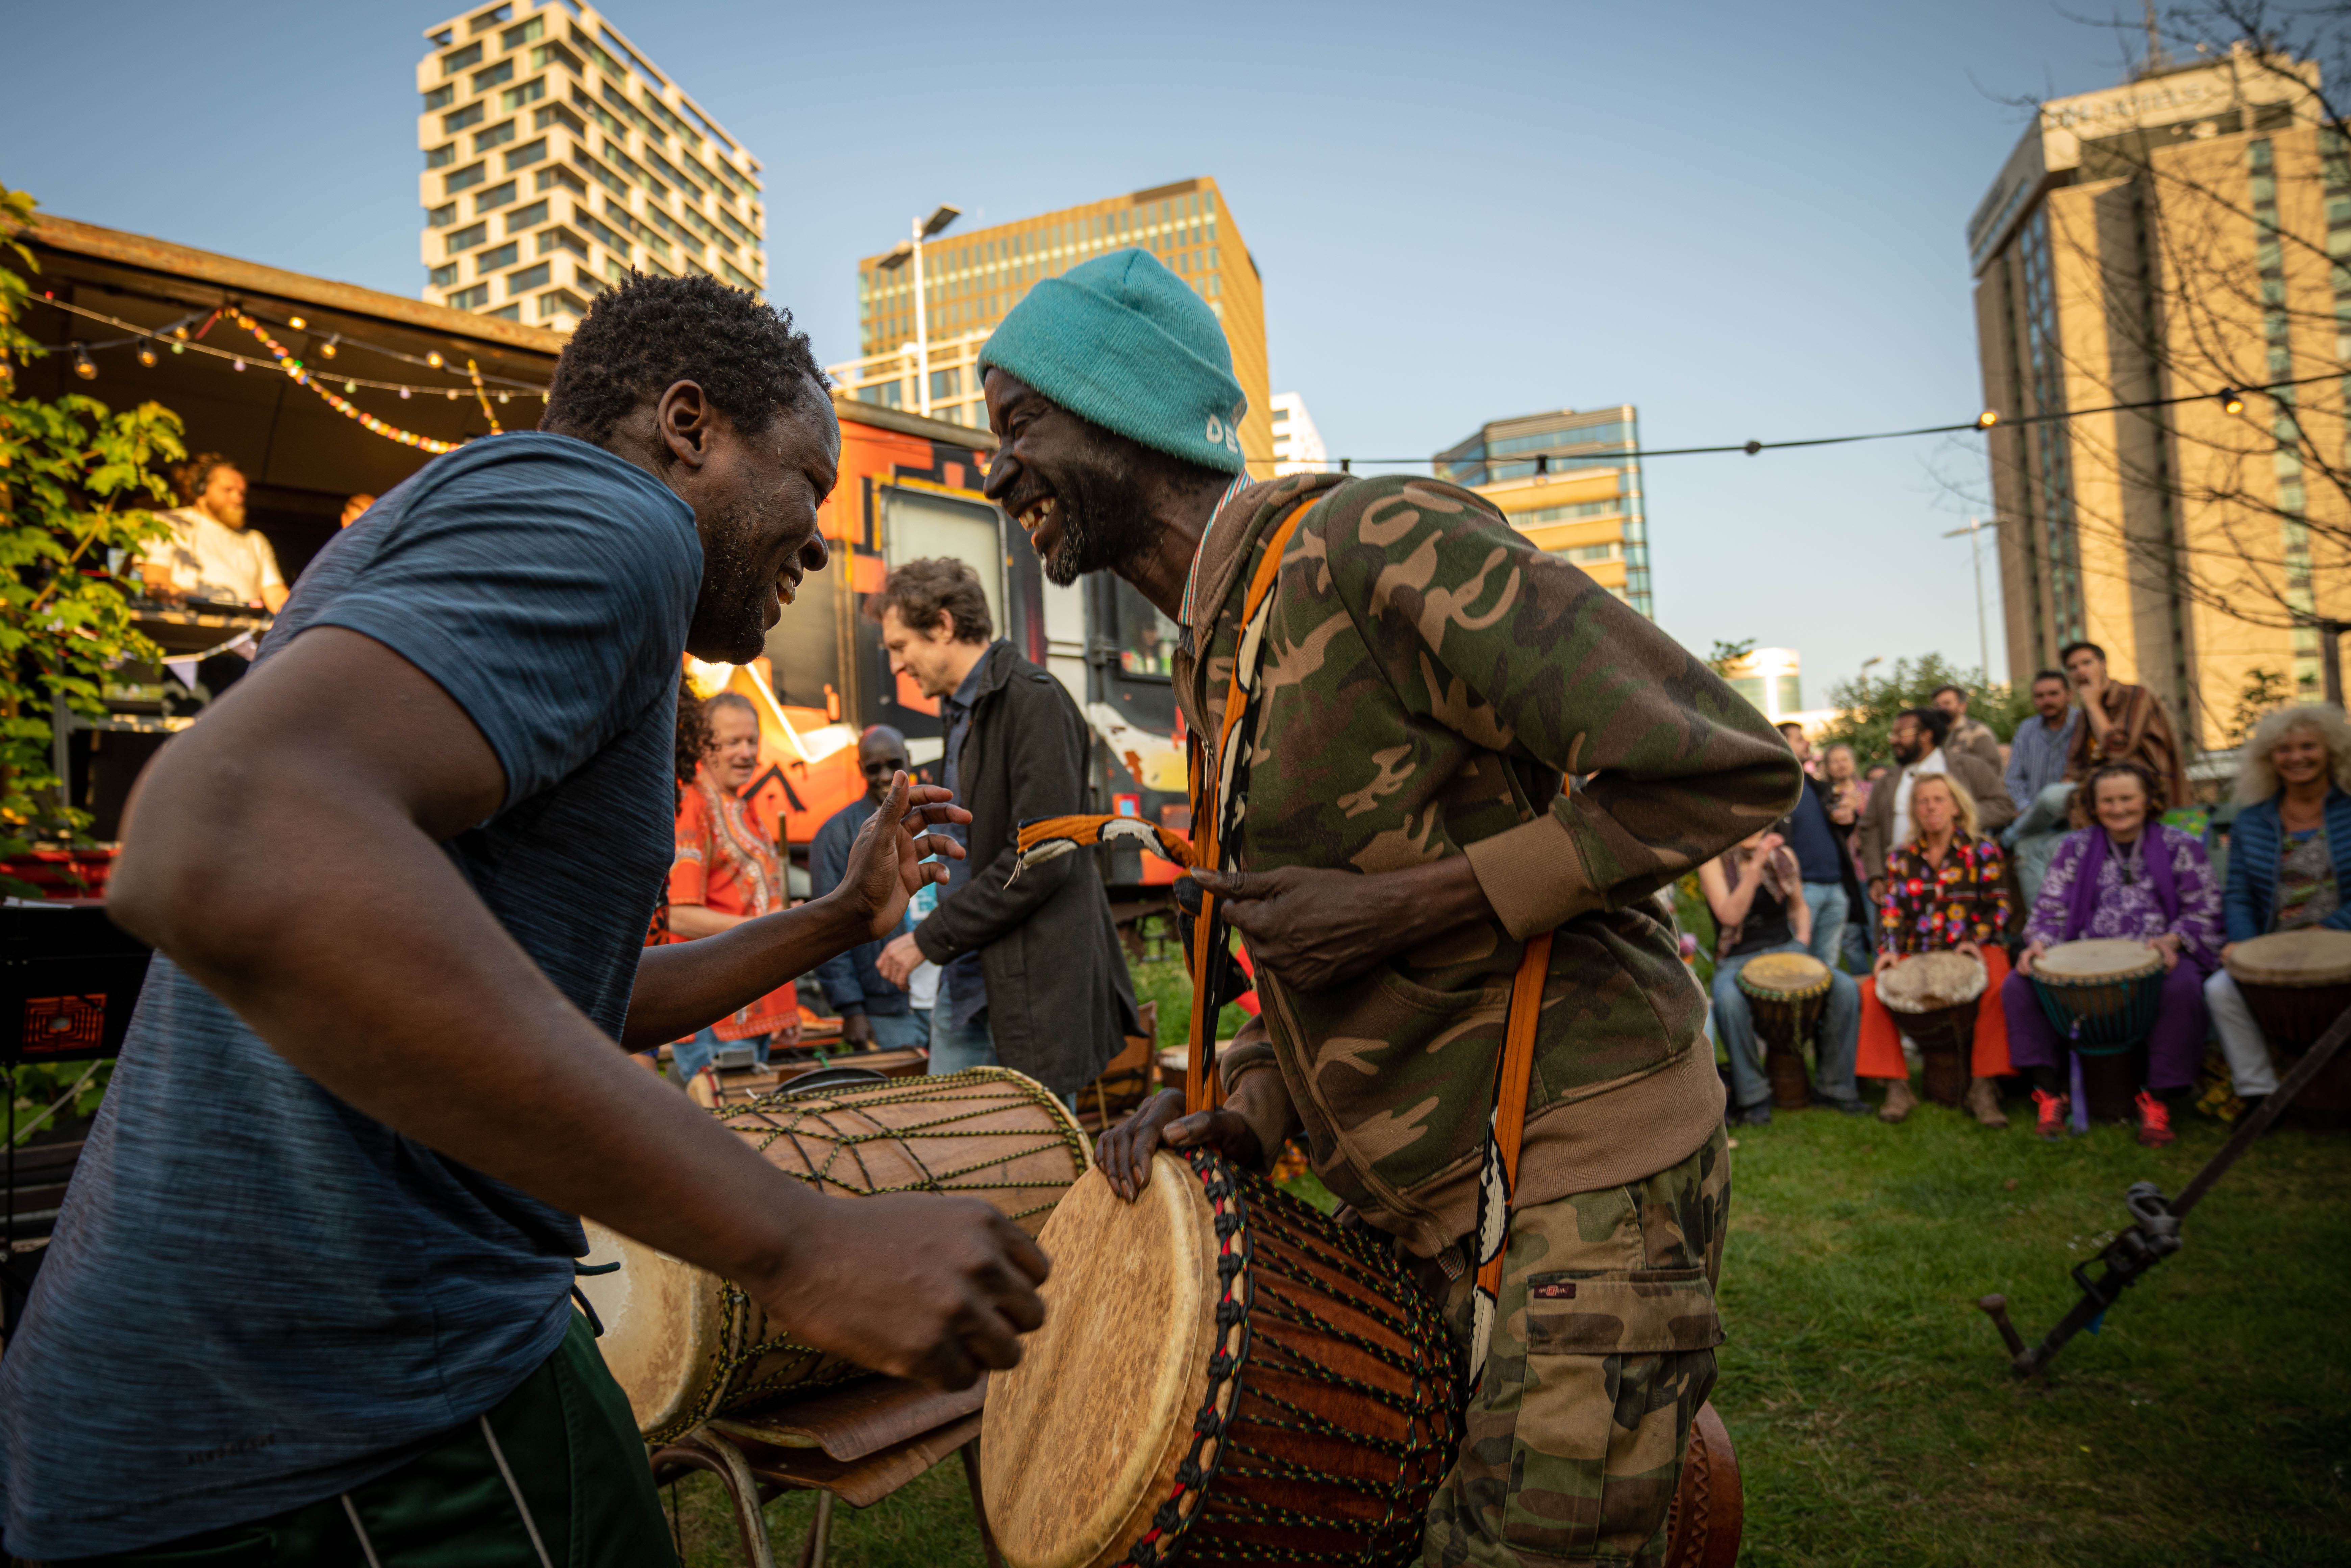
column 1603, row 1350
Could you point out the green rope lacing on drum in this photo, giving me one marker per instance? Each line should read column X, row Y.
column 809, row 1119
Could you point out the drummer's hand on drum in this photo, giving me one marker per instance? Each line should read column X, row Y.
column 885, row 862
column 2030, row 956
column 916, row 1285
column 1124, row 1152
column 1884, row 962
column 2168, row 944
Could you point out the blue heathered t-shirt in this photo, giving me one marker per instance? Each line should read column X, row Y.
column 257, row 1297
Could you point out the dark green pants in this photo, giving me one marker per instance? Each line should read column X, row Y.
column 577, row 1459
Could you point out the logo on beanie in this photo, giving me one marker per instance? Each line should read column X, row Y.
column 1220, row 433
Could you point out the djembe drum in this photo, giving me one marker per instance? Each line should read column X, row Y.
column 1787, row 993
column 2101, row 995
column 1228, row 1375
column 2297, row 983
column 1936, row 997
column 686, row 1344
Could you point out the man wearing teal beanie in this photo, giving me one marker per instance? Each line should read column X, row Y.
column 1395, row 683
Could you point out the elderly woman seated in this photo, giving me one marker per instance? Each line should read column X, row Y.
column 1946, row 892
column 1756, row 897
column 2122, row 876
column 2289, row 862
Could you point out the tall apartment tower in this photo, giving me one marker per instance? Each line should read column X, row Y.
column 1568, row 481
column 2172, row 238
column 971, row 280
column 558, row 158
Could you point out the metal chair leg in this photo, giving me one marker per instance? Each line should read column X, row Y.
column 820, row 1535
column 704, row 1449
column 970, row 1452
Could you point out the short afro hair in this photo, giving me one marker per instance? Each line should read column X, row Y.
column 645, row 336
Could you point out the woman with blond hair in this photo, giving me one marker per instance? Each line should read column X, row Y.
column 1946, row 891
column 2289, row 861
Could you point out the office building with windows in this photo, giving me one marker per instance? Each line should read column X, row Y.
column 2173, row 241
column 558, row 158
column 1297, row 444
column 970, row 280
column 1571, row 482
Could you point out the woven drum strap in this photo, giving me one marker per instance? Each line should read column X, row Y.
column 1498, row 1175
column 1217, row 779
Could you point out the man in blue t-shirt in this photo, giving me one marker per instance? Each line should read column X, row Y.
column 1831, row 887
column 308, row 1299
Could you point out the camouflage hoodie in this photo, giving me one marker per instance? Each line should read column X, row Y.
column 1429, row 677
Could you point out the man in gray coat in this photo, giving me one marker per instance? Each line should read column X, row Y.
column 1032, row 975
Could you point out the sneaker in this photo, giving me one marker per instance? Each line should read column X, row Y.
column 1900, row 1101
column 2154, row 1121
column 1756, row 1115
column 2052, row 1111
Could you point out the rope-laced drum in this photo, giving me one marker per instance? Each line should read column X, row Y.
column 1224, row 1374
column 1936, row 997
column 686, row 1344
column 2297, row 983
column 2101, row 995
column 1787, row 993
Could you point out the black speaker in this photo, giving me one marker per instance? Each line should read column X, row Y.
column 68, row 979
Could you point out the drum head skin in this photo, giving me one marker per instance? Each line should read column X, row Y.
column 661, row 1319
column 1080, row 1442
column 1928, row 982
column 2096, row 961
column 1784, row 974
column 2313, row 956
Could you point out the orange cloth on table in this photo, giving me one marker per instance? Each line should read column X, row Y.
column 1881, row 1034
column 726, row 862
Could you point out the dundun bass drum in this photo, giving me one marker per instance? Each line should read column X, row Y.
column 686, row 1344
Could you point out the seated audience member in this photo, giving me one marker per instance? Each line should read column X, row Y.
column 1917, row 738
column 727, row 871
column 1757, row 893
column 873, row 1010
column 355, row 508
column 1832, row 892
column 2121, row 875
column 2121, row 723
column 2289, row 862
column 1969, row 734
column 2037, row 782
column 210, row 553
column 1946, row 891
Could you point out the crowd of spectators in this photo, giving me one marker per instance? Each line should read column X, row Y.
column 1960, row 843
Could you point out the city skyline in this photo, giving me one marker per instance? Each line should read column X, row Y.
column 1423, row 271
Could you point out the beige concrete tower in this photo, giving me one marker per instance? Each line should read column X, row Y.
column 558, row 158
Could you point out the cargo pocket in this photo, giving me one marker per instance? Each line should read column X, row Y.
column 1617, row 1365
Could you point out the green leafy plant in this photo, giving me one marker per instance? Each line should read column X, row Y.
column 2263, row 690
column 75, row 478
column 1726, row 655
column 1866, row 707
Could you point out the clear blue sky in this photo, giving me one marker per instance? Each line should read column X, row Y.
column 1744, row 219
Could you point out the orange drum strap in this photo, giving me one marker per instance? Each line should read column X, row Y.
column 1497, row 1178
column 1213, row 777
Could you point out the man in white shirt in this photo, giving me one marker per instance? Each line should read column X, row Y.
column 211, row 554
column 1917, row 741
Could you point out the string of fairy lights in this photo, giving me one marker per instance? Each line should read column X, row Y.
column 177, row 337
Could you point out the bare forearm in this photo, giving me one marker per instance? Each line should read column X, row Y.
column 379, row 974
column 1425, row 901
column 685, row 985
column 695, row 921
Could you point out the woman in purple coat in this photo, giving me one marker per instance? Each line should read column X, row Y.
column 2123, row 875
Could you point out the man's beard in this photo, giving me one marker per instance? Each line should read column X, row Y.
column 730, row 616
column 228, row 514
column 1103, row 522
column 1907, row 754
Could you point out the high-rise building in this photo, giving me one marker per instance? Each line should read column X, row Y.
column 558, row 158
column 971, row 280
column 1570, row 483
column 2172, row 241
column 1297, row 444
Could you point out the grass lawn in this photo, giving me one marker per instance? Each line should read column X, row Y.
column 2209, row 1422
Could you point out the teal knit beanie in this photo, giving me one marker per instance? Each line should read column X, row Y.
column 1124, row 342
